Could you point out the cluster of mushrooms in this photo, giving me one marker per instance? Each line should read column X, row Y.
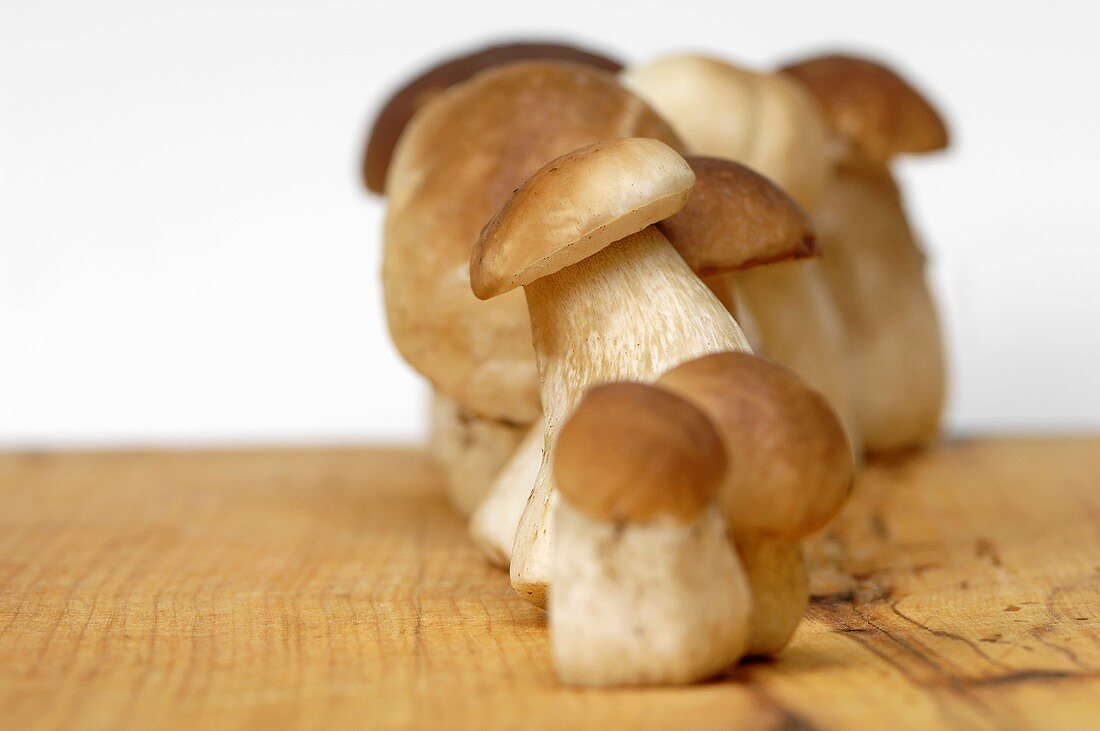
column 583, row 260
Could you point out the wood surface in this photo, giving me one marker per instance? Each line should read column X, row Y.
column 335, row 589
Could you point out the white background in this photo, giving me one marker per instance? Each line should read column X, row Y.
column 186, row 256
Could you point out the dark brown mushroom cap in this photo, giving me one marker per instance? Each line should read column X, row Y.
column 790, row 465
column 878, row 113
column 632, row 452
column 403, row 104
column 736, row 218
column 577, row 205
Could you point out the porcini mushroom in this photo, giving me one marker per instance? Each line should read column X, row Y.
column 646, row 586
column 873, row 265
column 609, row 298
column 404, row 103
column 790, row 472
column 456, row 163
column 767, row 122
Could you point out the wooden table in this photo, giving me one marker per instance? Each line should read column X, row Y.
column 335, row 589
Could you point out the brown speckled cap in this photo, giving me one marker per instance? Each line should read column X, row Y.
column 878, row 113
column 399, row 108
column 736, row 218
column 632, row 452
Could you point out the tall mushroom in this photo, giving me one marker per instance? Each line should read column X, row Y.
column 766, row 121
column 647, row 587
column 872, row 263
column 609, row 297
column 790, row 471
column 456, row 162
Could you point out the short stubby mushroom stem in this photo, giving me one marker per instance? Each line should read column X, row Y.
column 780, row 586
column 628, row 312
column 471, row 449
column 662, row 602
column 493, row 524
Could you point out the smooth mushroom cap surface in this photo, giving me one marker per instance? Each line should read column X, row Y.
column 456, row 164
column 736, row 218
column 575, row 206
column 766, row 120
column 873, row 109
column 790, row 462
column 633, row 452
column 410, row 98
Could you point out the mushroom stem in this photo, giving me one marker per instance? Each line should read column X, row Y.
column 470, row 448
column 797, row 325
column 645, row 603
column 875, row 271
column 493, row 524
column 780, row 586
column 628, row 312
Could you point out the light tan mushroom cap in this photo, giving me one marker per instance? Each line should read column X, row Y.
column 790, row 466
column 764, row 120
column 575, row 206
column 736, row 218
column 875, row 111
column 405, row 102
column 456, row 164
column 633, row 452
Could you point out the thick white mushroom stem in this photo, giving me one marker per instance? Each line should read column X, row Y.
column 493, row 524
column 471, row 449
column 875, row 270
column 662, row 602
column 628, row 312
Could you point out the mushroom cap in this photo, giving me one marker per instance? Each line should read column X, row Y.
column 790, row 466
column 575, row 206
column 405, row 102
column 458, row 161
column 875, row 111
column 632, row 452
column 764, row 120
column 736, row 218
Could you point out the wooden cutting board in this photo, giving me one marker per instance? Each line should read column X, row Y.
column 335, row 589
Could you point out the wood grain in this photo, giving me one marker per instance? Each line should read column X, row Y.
column 334, row 588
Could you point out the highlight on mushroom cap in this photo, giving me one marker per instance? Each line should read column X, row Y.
column 871, row 106
column 633, row 452
column 407, row 101
column 575, row 206
column 736, row 218
column 790, row 462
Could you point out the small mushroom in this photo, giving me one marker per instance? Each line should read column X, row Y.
column 609, row 298
column 767, row 122
column 647, row 587
column 410, row 98
column 457, row 161
column 872, row 264
column 790, row 472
